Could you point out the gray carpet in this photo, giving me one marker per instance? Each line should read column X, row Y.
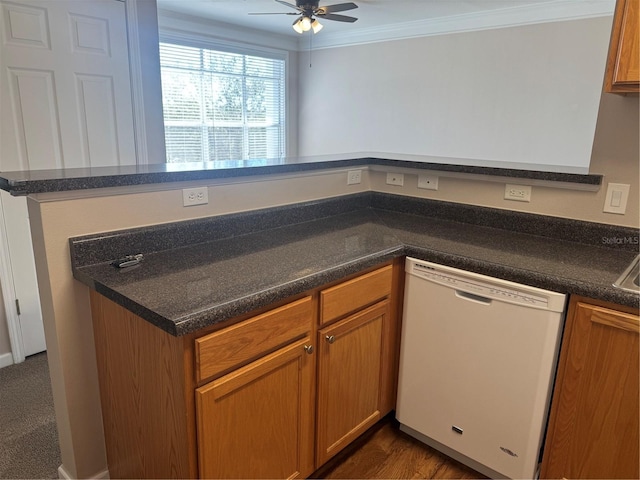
column 28, row 434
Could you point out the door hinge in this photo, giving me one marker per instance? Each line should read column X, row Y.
column 18, row 306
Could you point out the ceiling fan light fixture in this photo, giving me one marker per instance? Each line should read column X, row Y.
column 307, row 13
column 316, row 25
column 305, row 24
column 297, row 26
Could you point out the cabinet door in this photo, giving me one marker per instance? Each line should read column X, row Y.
column 623, row 66
column 593, row 428
column 257, row 422
column 349, row 379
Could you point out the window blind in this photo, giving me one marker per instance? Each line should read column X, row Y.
column 220, row 105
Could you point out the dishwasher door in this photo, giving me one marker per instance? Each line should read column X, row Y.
column 478, row 358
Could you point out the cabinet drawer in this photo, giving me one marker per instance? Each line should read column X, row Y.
column 354, row 294
column 220, row 351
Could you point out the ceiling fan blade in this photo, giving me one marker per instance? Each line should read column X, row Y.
column 273, row 13
column 338, row 18
column 290, row 5
column 339, row 7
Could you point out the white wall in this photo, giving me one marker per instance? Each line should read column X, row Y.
column 518, row 97
column 616, row 154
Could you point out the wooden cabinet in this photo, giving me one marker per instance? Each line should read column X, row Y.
column 146, row 394
column 349, row 383
column 358, row 344
column 353, row 295
column 266, row 407
column 267, row 395
column 593, row 426
column 226, row 349
column 623, row 65
column 257, row 422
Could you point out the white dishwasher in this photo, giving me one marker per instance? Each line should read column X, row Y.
column 477, row 362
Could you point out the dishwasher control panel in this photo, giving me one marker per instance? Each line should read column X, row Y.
column 480, row 285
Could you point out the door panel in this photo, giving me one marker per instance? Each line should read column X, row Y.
column 72, row 58
column 349, row 373
column 594, row 422
column 96, row 97
column 257, row 421
column 65, row 100
column 23, row 270
column 34, row 108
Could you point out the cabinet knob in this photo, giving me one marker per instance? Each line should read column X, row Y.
column 330, row 338
column 308, row 349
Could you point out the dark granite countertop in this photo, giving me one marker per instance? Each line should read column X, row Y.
column 199, row 273
column 44, row 181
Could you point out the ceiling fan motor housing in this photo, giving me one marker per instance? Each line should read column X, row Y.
column 308, row 4
column 308, row 10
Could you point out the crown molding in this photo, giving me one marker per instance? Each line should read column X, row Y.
column 170, row 21
column 551, row 11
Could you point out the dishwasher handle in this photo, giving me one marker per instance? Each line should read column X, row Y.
column 473, row 298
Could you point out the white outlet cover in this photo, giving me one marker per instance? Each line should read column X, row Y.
column 616, row 199
column 195, row 196
column 354, row 177
column 519, row 193
column 395, row 179
column 428, row 182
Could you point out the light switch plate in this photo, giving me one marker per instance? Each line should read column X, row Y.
column 616, row 199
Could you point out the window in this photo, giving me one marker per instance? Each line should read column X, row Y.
column 220, row 105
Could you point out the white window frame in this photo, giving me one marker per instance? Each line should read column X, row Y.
column 180, row 37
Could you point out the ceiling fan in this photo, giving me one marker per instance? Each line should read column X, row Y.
column 309, row 12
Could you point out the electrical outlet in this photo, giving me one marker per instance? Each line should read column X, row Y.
column 428, row 182
column 519, row 193
column 195, row 196
column 395, row 179
column 354, row 177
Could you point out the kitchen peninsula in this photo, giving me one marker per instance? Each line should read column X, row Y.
column 233, row 264
column 317, row 231
column 199, row 278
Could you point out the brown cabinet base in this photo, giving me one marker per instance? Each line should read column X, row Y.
column 239, row 399
column 593, row 425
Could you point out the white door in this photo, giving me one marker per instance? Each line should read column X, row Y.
column 65, row 101
column 23, row 277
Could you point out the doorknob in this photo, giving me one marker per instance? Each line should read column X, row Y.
column 308, row 349
column 330, row 338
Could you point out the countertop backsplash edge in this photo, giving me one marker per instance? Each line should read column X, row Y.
column 108, row 246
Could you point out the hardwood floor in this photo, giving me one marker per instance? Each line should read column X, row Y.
column 386, row 452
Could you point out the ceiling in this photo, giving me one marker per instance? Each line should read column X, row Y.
column 392, row 15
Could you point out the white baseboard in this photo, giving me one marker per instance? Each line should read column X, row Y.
column 6, row 359
column 62, row 474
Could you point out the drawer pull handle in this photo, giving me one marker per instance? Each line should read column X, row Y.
column 308, row 349
column 330, row 338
